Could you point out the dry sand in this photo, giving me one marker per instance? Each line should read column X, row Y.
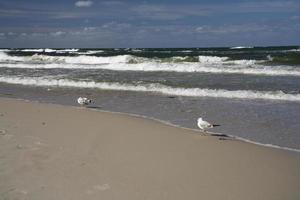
column 53, row 152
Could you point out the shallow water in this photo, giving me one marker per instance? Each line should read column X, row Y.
column 261, row 121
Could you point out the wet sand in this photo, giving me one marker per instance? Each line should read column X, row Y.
column 62, row 152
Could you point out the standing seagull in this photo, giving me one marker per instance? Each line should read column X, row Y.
column 203, row 125
column 84, row 101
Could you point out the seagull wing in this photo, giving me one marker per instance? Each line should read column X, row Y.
column 206, row 124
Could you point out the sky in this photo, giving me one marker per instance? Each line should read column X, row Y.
column 152, row 23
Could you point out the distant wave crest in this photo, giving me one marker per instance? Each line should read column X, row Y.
column 242, row 47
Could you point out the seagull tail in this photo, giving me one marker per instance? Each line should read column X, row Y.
column 214, row 125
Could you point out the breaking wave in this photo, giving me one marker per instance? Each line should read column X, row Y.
column 155, row 67
column 45, row 59
column 293, row 50
column 156, row 88
column 87, row 59
column 201, row 64
column 241, row 47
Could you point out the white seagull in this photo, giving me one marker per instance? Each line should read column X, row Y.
column 204, row 125
column 84, row 101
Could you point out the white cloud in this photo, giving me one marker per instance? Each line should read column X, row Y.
column 199, row 29
column 296, row 17
column 227, row 29
column 11, row 33
column 87, row 3
column 112, row 3
column 116, row 26
column 172, row 12
column 58, row 33
column 89, row 28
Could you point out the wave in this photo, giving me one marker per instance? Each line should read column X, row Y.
column 156, row 88
column 201, row 64
column 90, row 52
column 32, row 50
column 212, row 59
column 48, row 50
column 156, row 67
column 216, row 60
column 4, row 57
column 61, row 51
column 241, row 47
column 288, row 59
column 86, row 59
column 293, row 50
column 82, row 59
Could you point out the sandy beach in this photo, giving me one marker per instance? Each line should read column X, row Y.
column 70, row 153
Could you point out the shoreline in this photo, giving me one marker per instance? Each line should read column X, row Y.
column 61, row 152
column 169, row 124
column 208, row 133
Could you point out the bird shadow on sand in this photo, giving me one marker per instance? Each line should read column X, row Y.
column 94, row 107
column 222, row 136
column 219, row 135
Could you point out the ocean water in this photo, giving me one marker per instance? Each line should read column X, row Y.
column 253, row 92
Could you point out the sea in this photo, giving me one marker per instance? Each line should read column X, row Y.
column 252, row 92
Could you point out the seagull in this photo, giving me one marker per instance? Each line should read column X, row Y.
column 84, row 101
column 203, row 125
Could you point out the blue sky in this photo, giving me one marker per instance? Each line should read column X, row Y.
column 155, row 23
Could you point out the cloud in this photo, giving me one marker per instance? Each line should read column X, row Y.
column 269, row 6
column 168, row 12
column 112, row 3
column 58, row 33
column 228, row 29
column 295, row 17
column 116, row 26
column 2, row 36
column 11, row 33
column 87, row 3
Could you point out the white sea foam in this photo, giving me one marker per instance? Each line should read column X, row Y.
column 66, row 50
column 90, row 52
column 4, row 57
column 136, row 50
column 186, row 51
column 241, row 47
column 82, row 59
column 5, row 50
column 216, row 60
column 49, row 50
column 158, row 88
column 294, row 50
column 212, row 59
column 208, row 64
column 98, row 60
column 182, row 67
column 32, row 50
